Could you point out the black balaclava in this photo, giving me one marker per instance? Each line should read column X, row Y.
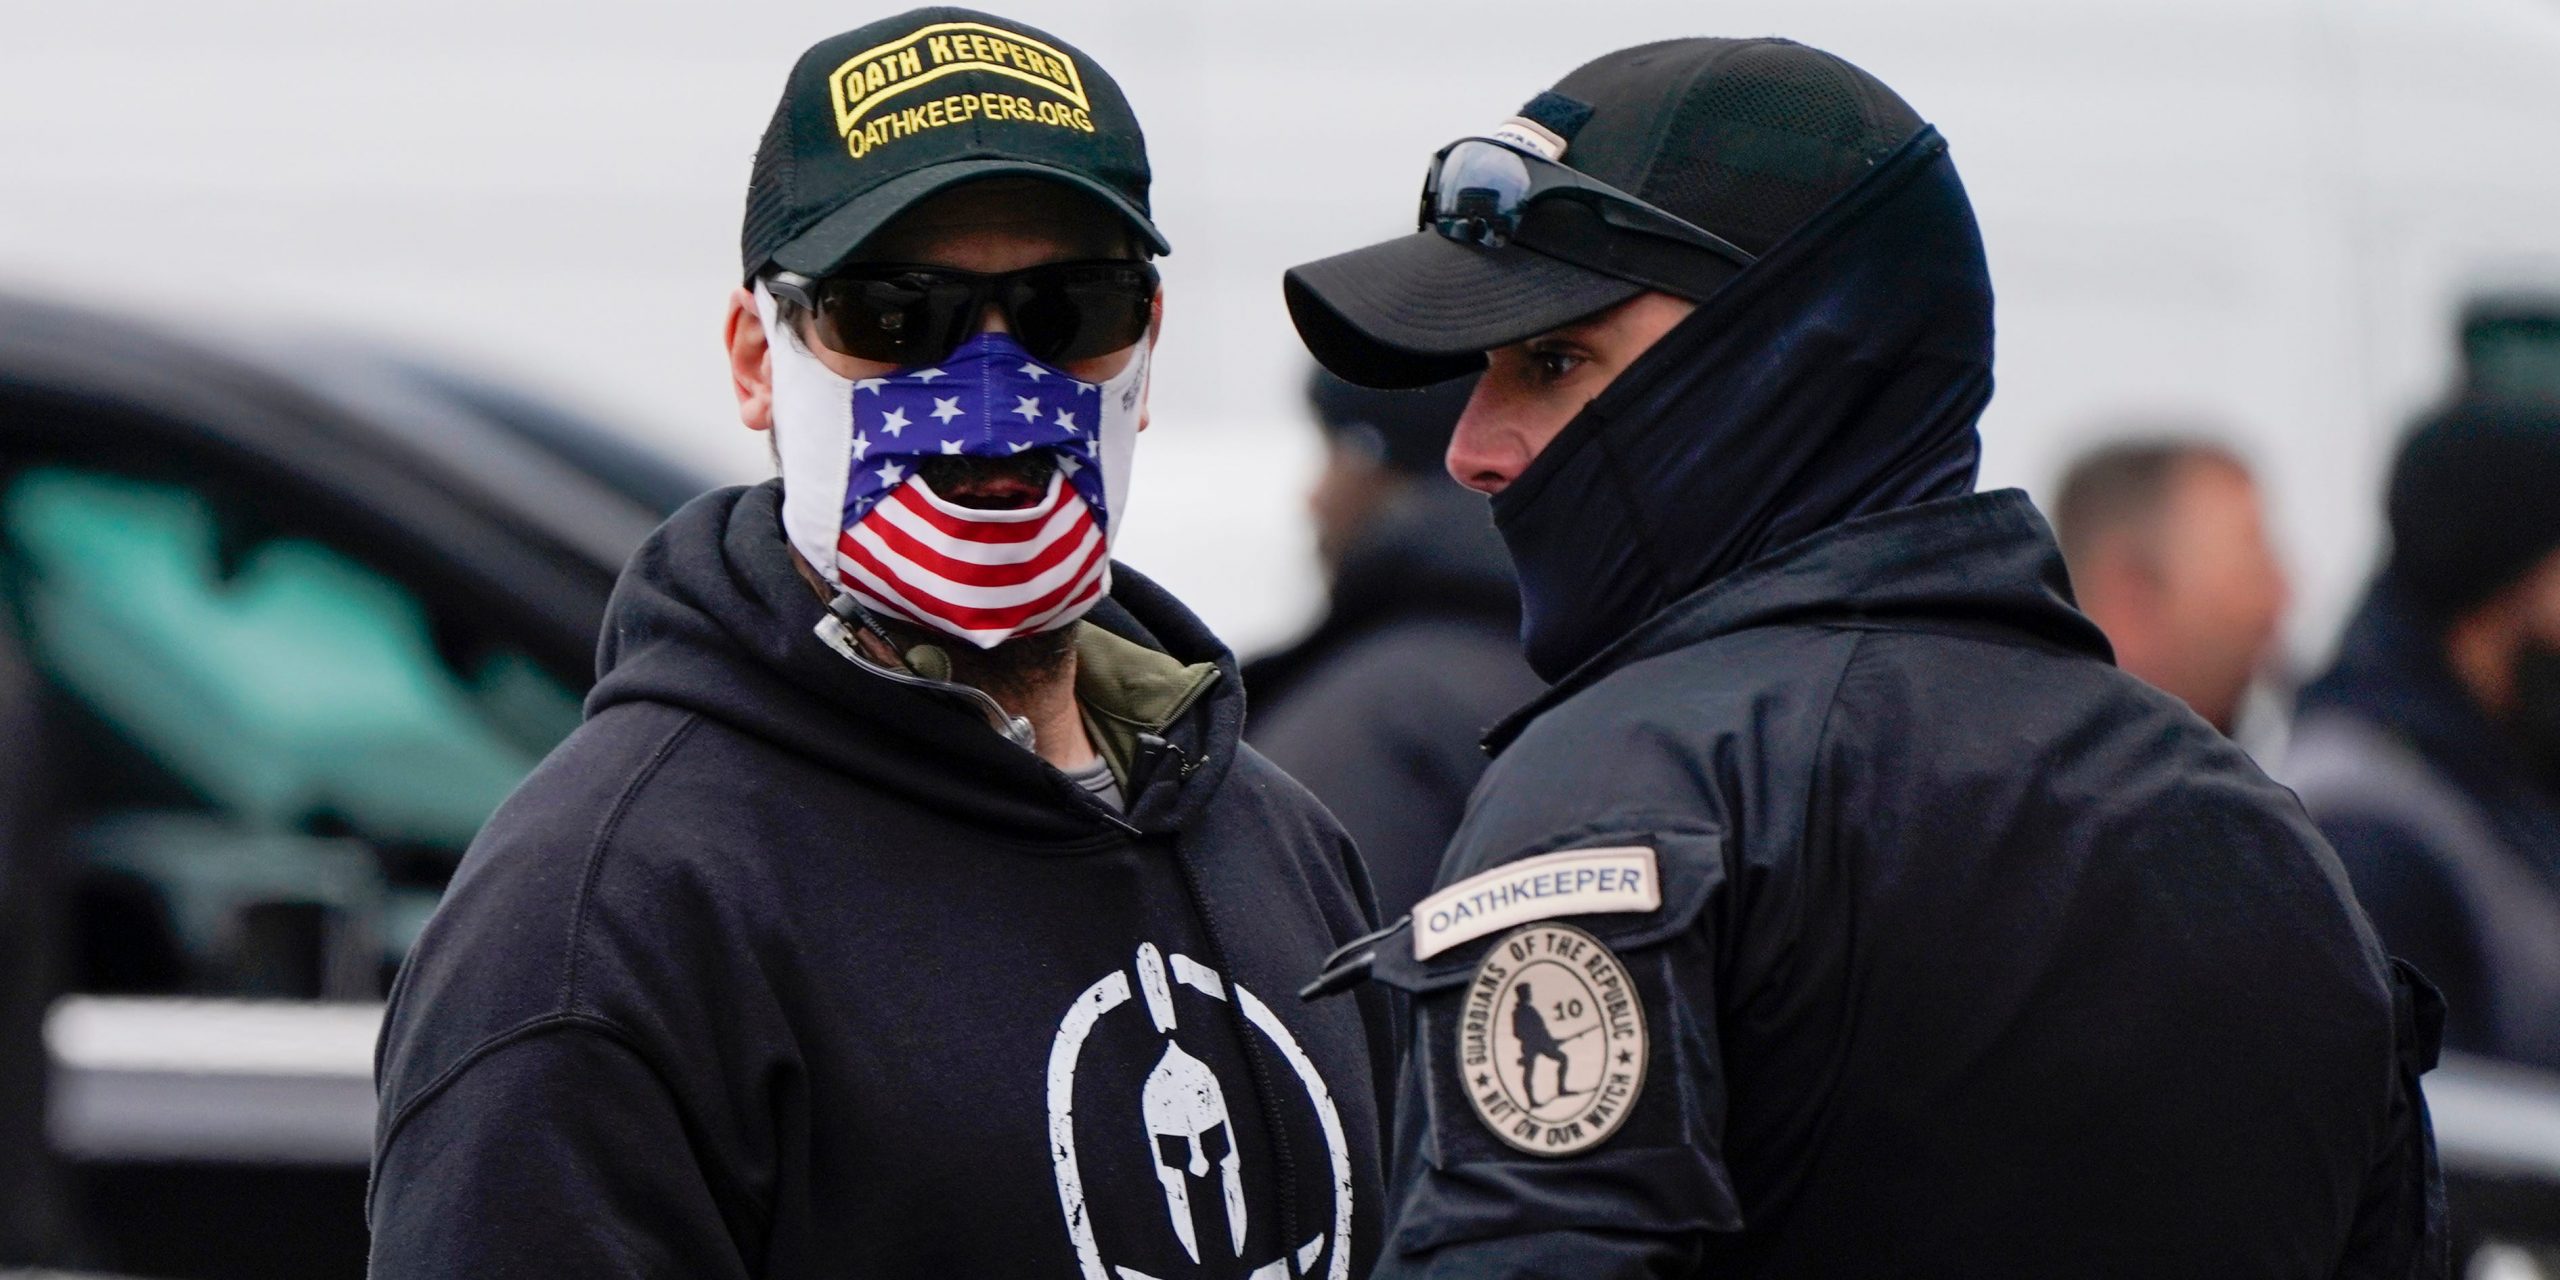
column 1839, row 376
column 2536, row 719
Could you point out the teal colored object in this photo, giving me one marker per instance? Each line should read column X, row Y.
column 303, row 687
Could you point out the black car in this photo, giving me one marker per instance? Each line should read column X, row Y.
column 281, row 620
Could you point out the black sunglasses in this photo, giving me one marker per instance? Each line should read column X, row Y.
column 908, row 315
column 1479, row 191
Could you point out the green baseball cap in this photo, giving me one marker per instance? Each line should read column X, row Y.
column 878, row 118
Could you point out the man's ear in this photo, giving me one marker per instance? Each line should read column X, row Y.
column 1155, row 325
column 750, row 362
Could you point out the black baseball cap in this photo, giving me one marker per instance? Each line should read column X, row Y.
column 1408, row 430
column 1745, row 138
column 878, row 118
column 2469, row 504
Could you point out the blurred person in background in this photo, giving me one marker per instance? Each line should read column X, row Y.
column 1841, row 910
column 907, row 904
column 2167, row 544
column 2430, row 752
column 1380, row 710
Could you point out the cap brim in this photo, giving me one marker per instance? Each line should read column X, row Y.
column 830, row 241
column 1422, row 308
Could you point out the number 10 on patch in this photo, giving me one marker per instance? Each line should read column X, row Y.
column 1552, row 1044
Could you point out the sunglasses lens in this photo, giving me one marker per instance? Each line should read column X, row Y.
column 1077, row 311
column 1475, row 194
column 912, row 316
column 902, row 319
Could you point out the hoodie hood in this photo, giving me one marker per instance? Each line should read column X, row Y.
column 711, row 617
column 1839, row 376
column 1985, row 562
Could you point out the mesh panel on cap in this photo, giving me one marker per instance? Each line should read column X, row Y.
column 768, row 221
column 1768, row 136
column 1785, row 87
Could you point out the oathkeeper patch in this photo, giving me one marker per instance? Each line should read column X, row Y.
column 1552, row 1044
column 1568, row 882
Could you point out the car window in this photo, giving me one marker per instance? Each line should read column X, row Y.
column 280, row 752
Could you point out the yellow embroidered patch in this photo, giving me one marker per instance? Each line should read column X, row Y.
column 865, row 88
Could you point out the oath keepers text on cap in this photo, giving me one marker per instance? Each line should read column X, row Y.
column 867, row 88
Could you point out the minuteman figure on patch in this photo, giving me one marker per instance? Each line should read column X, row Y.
column 1536, row 1042
column 1596, row 1038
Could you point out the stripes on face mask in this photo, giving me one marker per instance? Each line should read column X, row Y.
column 985, row 575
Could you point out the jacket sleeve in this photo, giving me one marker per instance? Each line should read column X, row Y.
column 1641, row 1201
column 2401, row 1230
column 554, row 1152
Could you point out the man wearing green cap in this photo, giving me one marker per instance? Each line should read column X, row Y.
column 1877, row 924
column 908, row 904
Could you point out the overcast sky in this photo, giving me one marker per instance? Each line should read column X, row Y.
column 2246, row 213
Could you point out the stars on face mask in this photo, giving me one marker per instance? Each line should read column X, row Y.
column 1027, row 408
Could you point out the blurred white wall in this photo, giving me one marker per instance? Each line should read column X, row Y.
column 2256, row 214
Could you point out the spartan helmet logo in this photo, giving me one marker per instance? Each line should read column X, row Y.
column 1187, row 1123
column 1190, row 1134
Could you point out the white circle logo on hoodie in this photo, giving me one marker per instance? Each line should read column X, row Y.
column 1189, row 1126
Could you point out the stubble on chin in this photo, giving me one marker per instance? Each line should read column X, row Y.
column 1014, row 673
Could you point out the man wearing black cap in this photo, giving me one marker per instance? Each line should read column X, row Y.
column 1379, row 709
column 907, row 905
column 1883, row 926
column 2430, row 753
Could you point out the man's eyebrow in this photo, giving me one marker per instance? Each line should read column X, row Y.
column 1577, row 331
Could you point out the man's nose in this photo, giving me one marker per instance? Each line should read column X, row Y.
column 1482, row 455
column 991, row 320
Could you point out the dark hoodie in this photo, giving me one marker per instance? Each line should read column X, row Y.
column 1381, row 708
column 1972, row 955
column 776, row 968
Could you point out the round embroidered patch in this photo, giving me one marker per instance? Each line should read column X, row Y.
column 1552, row 1046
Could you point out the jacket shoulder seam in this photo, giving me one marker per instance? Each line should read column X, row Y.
column 596, row 849
column 1840, row 682
column 1830, row 714
column 2003, row 638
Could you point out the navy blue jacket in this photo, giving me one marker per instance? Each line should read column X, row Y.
column 775, row 968
column 2451, row 841
column 1975, row 956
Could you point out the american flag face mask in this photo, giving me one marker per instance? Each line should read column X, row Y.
column 854, row 507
